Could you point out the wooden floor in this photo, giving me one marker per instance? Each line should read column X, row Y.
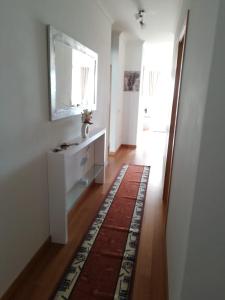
column 150, row 276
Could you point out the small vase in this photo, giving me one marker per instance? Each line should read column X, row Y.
column 85, row 130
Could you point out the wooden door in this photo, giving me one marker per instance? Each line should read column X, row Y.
column 174, row 115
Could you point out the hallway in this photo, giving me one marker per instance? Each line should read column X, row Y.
column 41, row 278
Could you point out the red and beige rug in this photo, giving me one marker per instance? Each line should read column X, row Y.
column 103, row 266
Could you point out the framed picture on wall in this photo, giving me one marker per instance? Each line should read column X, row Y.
column 131, row 81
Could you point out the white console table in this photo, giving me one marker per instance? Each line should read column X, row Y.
column 65, row 187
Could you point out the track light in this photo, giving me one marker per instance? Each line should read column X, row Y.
column 140, row 17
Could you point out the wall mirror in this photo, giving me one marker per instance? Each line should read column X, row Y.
column 72, row 75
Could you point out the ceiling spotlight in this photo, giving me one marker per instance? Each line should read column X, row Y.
column 142, row 23
column 140, row 17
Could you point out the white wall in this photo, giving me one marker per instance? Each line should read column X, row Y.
column 116, row 109
column 205, row 263
column 133, row 62
column 25, row 131
column 184, row 191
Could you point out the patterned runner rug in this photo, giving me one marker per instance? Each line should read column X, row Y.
column 103, row 266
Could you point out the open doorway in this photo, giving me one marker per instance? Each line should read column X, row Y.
column 156, row 91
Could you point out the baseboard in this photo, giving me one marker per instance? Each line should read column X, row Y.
column 114, row 153
column 129, row 146
column 9, row 294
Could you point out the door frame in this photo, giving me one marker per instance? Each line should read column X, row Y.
column 174, row 114
column 110, row 104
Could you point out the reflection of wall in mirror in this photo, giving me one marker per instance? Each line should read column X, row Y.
column 83, row 87
column 63, row 58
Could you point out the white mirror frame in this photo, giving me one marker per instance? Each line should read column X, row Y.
column 55, row 35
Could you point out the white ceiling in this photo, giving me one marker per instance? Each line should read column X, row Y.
column 160, row 18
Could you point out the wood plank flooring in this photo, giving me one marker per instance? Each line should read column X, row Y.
column 150, row 275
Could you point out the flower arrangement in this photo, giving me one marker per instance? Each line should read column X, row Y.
column 86, row 116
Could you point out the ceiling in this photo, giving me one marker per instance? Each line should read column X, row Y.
column 160, row 17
